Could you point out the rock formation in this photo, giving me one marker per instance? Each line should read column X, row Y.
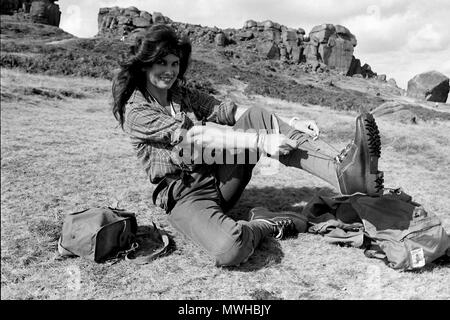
column 326, row 47
column 122, row 22
column 429, row 86
column 38, row 11
column 46, row 12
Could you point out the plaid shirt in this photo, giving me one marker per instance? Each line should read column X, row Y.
column 155, row 133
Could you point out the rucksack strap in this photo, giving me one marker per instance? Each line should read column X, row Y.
column 144, row 259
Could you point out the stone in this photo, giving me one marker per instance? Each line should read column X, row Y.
column 392, row 82
column 355, row 67
column 250, row 24
column 220, row 39
column 272, row 35
column 429, row 86
column 381, row 77
column 244, row 36
column 296, row 54
column 45, row 12
column 124, row 20
column 131, row 12
column 301, row 31
column 288, row 36
column 339, row 56
column 322, row 32
column 146, row 15
column 158, row 17
column 311, row 52
column 140, row 22
column 269, row 50
column 268, row 25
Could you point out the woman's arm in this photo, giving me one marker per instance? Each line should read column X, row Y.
column 223, row 137
column 307, row 126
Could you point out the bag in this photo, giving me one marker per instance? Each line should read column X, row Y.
column 102, row 234
column 395, row 228
column 401, row 231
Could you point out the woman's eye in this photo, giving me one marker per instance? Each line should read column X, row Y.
column 176, row 63
column 160, row 62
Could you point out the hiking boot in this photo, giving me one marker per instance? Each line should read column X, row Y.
column 357, row 164
column 286, row 223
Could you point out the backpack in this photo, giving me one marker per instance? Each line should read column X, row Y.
column 401, row 231
column 395, row 228
column 104, row 233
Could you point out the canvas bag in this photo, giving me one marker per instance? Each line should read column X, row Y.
column 97, row 233
column 108, row 234
column 394, row 228
column 401, row 230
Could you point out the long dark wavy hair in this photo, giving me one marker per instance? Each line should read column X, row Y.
column 150, row 46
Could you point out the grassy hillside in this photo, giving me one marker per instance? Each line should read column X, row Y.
column 62, row 151
column 41, row 49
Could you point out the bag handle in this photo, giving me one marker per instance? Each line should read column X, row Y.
column 155, row 254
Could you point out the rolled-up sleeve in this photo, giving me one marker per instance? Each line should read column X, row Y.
column 153, row 126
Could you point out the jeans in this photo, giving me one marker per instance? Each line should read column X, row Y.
column 200, row 208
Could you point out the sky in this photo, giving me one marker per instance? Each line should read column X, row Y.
column 399, row 38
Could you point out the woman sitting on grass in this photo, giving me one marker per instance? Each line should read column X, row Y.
column 201, row 152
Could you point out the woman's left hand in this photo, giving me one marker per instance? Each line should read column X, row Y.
column 307, row 126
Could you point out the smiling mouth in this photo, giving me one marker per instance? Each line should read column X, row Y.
column 166, row 79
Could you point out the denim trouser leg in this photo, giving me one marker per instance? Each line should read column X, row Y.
column 200, row 210
column 233, row 178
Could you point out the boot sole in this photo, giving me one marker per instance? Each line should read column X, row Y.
column 374, row 142
column 370, row 129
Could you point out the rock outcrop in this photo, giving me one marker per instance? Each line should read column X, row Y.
column 326, row 47
column 46, row 12
column 37, row 11
column 332, row 45
column 429, row 86
column 115, row 21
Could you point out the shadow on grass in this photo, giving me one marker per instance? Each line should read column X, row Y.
column 276, row 199
column 269, row 251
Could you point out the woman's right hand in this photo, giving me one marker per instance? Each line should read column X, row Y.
column 276, row 144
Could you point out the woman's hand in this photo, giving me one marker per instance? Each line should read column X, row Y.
column 276, row 144
column 307, row 126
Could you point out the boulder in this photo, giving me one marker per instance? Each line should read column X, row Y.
column 272, row 35
column 45, row 12
column 140, row 22
column 301, row 31
column 338, row 56
column 269, row 50
column 220, row 39
column 392, row 82
column 355, row 67
column 381, row 77
column 322, row 32
column 146, row 15
column 268, row 25
column 124, row 20
column 288, row 36
column 244, row 36
column 250, row 24
column 158, row 17
column 131, row 12
column 429, row 86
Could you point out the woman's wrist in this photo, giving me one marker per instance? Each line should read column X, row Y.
column 291, row 122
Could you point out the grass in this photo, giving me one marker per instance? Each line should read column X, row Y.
column 62, row 153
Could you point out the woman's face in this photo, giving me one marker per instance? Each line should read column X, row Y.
column 163, row 73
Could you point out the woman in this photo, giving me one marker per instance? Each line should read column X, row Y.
column 201, row 152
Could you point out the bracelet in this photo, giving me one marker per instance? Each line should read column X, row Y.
column 291, row 122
